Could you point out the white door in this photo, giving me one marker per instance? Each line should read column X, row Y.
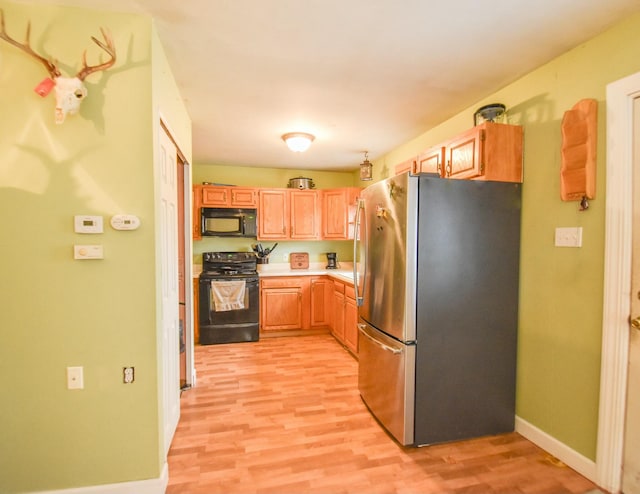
column 168, row 252
column 631, row 459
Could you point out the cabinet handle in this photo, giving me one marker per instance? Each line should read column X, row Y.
column 438, row 166
column 448, row 168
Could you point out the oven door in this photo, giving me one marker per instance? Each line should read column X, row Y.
column 224, row 316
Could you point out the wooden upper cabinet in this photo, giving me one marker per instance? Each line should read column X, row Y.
column 228, row 197
column 195, row 207
column 288, row 214
column 305, row 214
column 273, row 214
column 338, row 211
column 431, row 161
column 405, row 166
column 489, row 151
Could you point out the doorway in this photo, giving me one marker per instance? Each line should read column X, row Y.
column 622, row 103
column 631, row 453
column 174, row 255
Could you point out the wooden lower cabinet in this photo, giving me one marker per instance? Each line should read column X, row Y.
column 321, row 292
column 337, row 326
column 350, row 320
column 284, row 303
column 344, row 325
column 299, row 303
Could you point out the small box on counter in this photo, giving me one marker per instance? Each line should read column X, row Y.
column 299, row 260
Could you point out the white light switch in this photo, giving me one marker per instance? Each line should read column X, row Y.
column 569, row 237
column 88, row 252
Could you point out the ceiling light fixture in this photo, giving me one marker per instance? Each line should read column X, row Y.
column 366, row 168
column 298, row 141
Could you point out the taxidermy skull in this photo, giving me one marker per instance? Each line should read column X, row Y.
column 69, row 91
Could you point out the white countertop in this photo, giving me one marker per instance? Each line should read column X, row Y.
column 344, row 272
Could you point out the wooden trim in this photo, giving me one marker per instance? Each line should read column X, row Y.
column 617, row 281
column 149, row 486
column 575, row 460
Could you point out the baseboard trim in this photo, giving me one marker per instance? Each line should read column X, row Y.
column 564, row 453
column 149, row 486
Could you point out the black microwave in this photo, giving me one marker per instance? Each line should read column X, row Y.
column 228, row 222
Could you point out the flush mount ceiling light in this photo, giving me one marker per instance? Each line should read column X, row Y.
column 298, row 141
column 366, row 168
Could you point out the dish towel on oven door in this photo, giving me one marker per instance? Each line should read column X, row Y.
column 227, row 295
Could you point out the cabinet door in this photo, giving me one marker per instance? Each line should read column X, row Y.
column 432, row 161
column 243, row 197
column 464, row 155
column 405, row 166
column 338, row 213
column 305, row 214
column 215, row 196
column 350, row 321
column 335, row 210
column 273, row 214
column 281, row 308
column 197, row 203
column 337, row 328
column 321, row 292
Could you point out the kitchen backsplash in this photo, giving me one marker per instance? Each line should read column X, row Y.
column 317, row 249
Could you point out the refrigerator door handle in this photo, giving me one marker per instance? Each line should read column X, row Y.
column 356, row 233
column 395, row 351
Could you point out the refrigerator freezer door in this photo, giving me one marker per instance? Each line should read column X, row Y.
column 388, row 256
column 386, row 381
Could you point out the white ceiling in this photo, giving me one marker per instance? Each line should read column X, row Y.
column 358, row 74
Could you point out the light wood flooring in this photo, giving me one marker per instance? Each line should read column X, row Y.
column 283, row 415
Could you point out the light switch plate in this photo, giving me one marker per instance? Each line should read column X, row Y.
column 568, row 237
column 88, row 252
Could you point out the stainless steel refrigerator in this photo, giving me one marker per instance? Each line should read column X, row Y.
column 437, row 289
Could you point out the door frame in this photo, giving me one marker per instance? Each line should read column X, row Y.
column 617, row 281
column 188, row 252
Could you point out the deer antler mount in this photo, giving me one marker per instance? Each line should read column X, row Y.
column 69, row 91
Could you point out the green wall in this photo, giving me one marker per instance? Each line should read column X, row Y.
column 561, row 289
column 57, row 311
column 273, row 178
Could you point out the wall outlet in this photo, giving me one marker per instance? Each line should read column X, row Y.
column 128, row 375
column 569, row 237
column 75, row 378
column 285, row 257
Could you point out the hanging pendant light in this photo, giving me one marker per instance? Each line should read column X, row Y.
column 366, row 168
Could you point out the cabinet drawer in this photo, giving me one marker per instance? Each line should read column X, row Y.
column 338, row 286
column 282, row 282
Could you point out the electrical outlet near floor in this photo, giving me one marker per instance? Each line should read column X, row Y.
column 128, row 375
